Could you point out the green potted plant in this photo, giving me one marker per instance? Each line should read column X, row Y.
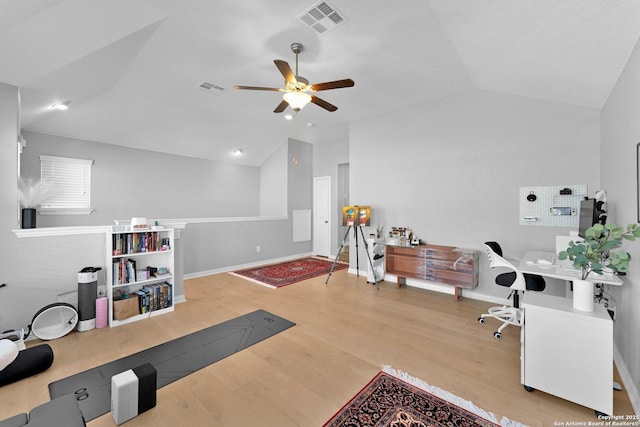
column 32, row 193
column 596, row 253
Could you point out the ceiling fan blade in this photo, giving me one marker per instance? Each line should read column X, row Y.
column 273, row 89
column 285, row 69
column 322, row 103
column 332, row 85
column 281, row 107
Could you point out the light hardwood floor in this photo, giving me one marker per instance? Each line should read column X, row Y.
column 345, row 332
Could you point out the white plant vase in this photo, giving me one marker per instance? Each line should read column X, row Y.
column 583, row 295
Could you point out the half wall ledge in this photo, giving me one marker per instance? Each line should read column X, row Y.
column 177, row 223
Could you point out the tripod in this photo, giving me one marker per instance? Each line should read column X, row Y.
column 366, row 246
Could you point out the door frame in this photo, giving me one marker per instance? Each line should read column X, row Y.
column 317, row 233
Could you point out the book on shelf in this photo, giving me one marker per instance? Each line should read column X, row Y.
column 123, row 271
column 158, row 296
column 142, row 301
column 148, row 298
column 133, row 243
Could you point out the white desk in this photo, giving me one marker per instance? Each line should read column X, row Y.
column 531, row 263
column 566, row 352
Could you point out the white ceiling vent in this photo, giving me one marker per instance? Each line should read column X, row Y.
column 322, row 17
column 214, row 88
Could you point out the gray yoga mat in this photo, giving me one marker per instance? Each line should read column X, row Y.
column 173, row 360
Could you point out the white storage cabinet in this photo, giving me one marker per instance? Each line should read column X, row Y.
column 567, row 352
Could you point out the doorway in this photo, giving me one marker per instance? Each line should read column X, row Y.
column 322, row 216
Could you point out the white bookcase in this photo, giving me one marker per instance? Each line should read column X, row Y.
column 140, row 264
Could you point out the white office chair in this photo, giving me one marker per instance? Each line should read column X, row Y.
column 516, row 281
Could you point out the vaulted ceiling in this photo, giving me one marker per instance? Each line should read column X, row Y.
column 132, row 69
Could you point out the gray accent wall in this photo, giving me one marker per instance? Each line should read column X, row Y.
column 620, row 134
column 210, row 247
column 128, row 182
column 273, row 177
column 9, row 105
column 327, row 156
column 34, row 270
column 300, row 175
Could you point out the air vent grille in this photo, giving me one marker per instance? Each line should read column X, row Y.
column 336, row 18
column 319, row 28
column 322, row 17
column 316, row 14
column 211, row 87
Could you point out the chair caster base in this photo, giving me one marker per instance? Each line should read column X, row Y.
column 481, row 319
column 497, row 335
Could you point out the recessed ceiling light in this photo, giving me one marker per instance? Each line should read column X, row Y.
column 238, row 152
column 61, row 105
column 288, row 116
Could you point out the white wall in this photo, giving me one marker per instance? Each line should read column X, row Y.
column 620, row 134
column 451, row 171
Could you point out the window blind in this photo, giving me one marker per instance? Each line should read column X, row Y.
column 71, row 179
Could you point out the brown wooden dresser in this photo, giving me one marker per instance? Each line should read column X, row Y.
column 443, row 264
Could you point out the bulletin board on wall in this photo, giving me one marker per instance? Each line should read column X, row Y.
column 551, row 206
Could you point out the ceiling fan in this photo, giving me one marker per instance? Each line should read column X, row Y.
column 297, row 90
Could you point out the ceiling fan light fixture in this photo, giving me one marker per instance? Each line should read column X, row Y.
column 297, row 88
column 60, row 106
column 297, row 100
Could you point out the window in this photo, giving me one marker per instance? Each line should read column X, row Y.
column 72, row 180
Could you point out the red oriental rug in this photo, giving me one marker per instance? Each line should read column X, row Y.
column 286, row 273
column 395, row 399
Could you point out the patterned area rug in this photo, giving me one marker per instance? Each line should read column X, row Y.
column 395, row 399
column 286, row 273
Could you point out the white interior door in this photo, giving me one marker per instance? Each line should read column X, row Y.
column 322, row 215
